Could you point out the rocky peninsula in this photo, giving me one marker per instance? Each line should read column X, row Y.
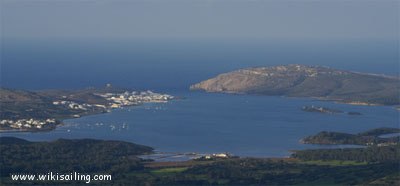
column 308, row 81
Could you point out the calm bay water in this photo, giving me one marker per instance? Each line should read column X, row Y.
column 245, row 125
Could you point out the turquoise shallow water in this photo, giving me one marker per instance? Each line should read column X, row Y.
column 245, row 125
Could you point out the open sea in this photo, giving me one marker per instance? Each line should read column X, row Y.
column 244, row 125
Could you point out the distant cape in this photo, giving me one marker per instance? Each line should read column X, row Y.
column 308, row 81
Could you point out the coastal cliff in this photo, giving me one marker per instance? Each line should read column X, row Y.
column 307, row 81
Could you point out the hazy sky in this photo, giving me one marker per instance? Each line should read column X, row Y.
column 301, row 19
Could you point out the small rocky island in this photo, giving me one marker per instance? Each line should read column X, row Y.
column 43, row 110
column 308, row 81
column 320, row 110
column 326, row 110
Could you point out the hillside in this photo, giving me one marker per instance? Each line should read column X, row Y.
column 80, row 155
column 22, row 104
column 307, row 81
column 353, row 166
column 43, row 110
column 370, row 137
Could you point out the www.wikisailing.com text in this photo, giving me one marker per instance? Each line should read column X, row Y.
column 50, row 176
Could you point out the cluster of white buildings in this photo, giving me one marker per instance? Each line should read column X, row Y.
column 134, row 98
column 114, row 100
column 386, row 144
column 216, row 156
column 27, row 123
column 119, row 99
column 382, row 144
column 73, row 105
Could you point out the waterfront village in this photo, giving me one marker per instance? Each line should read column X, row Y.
column 215, row 156
column 117, row 100
column 29, row 123
column 114, row 100
column 135, row 98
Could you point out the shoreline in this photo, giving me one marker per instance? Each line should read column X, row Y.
column 68, row 118
column 61, row 120
column 54, row 108
column 338, row 101
column 124, row 107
